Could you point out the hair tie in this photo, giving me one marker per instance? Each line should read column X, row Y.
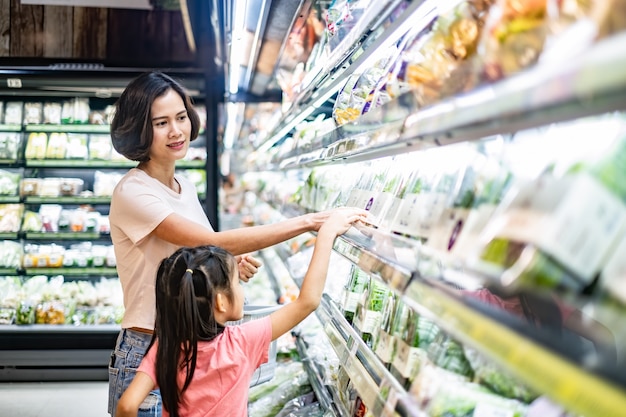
column 189, row 270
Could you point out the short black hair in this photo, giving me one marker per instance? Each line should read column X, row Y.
column 131, row 127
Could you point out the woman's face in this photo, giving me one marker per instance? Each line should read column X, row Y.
column 171, row 128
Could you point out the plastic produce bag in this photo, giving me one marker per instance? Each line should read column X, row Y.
column 272, row 402
column 499, row 381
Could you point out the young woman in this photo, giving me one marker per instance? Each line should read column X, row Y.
column 202, row 367
column 154, row 212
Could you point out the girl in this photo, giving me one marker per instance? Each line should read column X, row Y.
column 154, row 212
column 202, row 367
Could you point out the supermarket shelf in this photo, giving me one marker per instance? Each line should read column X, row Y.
column 9, row 199
column 10, row 128
column 544, row 362
column 64, row 235
column 317, row 382
column 78, row 163
column 417, row 13
column 102, row 164
column 8, row 235
column 365, row 247
column 69, row 128
column 67, row 200
column 547, row 372
column 41, row 352
column 537, row 96
column 10, row 163
column 378, row 389
column 72, row 272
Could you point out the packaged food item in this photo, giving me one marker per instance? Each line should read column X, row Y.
column 447, row 353
column 76, row 146
column 355, row 288
column 33, row 113
column 496, row 379
column 71, row 186
column 10, row 217
column 36, row 146
column 52, row 113
column 9, row 144
column 557, row 230
column 30, row 186
column 369, row 313
column 513, row 38
column 9, row 182
column 385, row 347
column 13, row 112
column 57, row 146
column 100, row 147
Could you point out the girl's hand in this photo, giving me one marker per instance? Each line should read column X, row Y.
column 248, row 266
column 341, row 219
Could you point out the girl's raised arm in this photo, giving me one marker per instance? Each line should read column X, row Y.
column 312, row 287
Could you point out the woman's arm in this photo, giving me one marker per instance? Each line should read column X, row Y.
column 137, row 391
column 178, row 230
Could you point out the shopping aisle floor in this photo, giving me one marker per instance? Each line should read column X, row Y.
column 53, row 399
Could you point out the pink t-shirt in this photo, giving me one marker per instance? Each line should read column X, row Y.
column 225, row 365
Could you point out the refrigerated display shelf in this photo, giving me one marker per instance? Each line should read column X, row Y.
column 321, row 390
column 68, row 128
column 10, row 128
column 538, row 96
column 337, row 68
column 56, row 352
column 72, row 272
column 101, row 164
column 534, row 356
column 378, row 389
column 64, row 235
column 77, row 200
column 10, row 199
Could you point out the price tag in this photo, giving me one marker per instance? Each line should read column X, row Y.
column 390, row 395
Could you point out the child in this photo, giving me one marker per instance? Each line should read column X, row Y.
column 202, row 367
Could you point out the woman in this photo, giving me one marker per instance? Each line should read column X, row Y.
column 155, row 212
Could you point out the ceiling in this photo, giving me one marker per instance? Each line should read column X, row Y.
column 196, row 43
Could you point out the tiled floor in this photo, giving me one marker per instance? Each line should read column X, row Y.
column 53, row 399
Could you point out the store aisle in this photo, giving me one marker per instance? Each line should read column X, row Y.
column 53, row 399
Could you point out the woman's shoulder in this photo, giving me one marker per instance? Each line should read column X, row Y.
column 131, row 180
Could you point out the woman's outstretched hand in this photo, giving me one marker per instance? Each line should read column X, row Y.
column 248, row 266
column 320, row 218
column 339, row 220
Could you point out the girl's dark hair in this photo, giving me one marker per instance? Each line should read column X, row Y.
column 186, row 285
column 131, row 127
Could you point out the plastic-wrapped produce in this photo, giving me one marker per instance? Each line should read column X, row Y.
column 10, row 254
column 441, row 393
column 496, row 379
column 9, row 145
column 353, row 292
column 36, row 146
column 557, row 230
column 275, row 393
column 10, row 217
column 9, row 182
column 369, row 314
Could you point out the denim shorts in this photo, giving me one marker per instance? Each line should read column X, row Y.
column 130, row 348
